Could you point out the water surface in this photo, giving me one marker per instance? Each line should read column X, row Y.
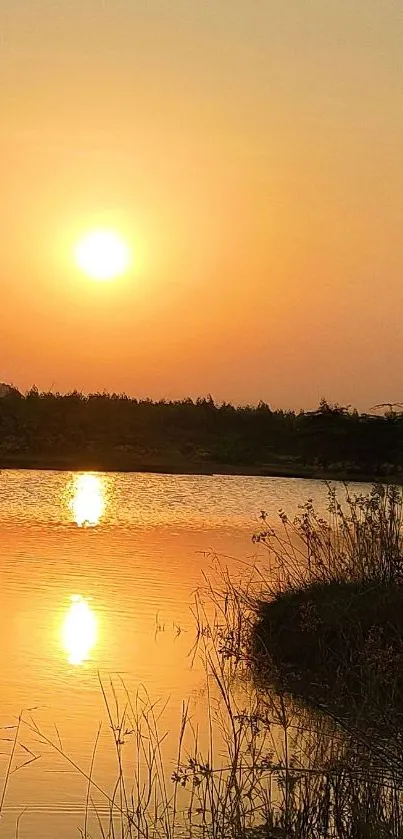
column 98, row 574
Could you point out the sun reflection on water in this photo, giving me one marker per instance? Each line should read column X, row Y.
column 79, row 631
column 88, row 499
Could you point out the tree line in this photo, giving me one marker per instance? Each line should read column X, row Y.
column 106, row 429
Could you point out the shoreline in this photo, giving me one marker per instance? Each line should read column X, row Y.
column 99, row 464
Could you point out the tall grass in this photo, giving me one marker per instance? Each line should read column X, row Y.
column 267, row 770
column 359, row 539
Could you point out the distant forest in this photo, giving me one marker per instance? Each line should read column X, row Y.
column 113, row 431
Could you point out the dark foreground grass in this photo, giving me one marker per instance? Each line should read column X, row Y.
column 267, row 772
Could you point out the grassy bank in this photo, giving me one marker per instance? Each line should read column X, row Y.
column 330, row 629
column 339, row 646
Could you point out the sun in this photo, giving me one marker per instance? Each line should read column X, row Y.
column 102, row 255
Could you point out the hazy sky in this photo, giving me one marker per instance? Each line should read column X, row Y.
column 251, row 153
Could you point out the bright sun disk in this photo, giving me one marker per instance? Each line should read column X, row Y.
column 102, row 255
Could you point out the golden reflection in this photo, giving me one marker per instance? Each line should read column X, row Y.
column 79, row 630
column 88, row 501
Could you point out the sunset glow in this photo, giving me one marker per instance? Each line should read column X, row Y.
column 203, row 198
column 102, row 255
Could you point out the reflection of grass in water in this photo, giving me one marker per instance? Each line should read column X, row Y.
column 339, row 644
column 268, row 768
column 260, row 764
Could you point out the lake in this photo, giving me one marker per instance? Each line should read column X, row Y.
column 98, row 576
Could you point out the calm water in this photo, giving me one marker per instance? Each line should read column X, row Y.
column 98, row 574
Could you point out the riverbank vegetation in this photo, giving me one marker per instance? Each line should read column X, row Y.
column 336, row 591
column 112, row 431
column 329, row 630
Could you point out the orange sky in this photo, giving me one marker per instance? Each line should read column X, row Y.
column 250, row 151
